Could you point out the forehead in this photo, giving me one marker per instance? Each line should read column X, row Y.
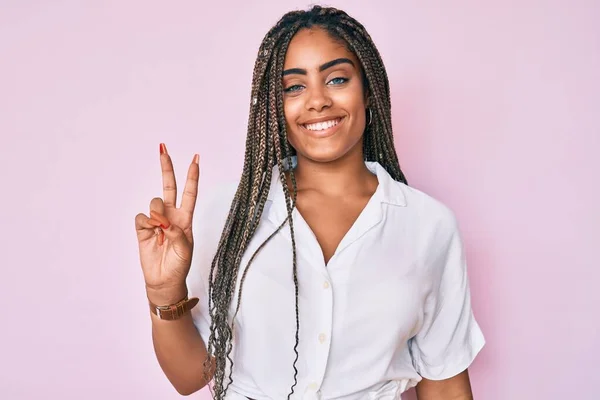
column 310, row 48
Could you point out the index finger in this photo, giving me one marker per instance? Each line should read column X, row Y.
column 168, row 178
column 190, row 192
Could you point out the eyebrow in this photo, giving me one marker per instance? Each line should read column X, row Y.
column 327, row 65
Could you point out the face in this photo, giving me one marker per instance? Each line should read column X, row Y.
column 324, row 100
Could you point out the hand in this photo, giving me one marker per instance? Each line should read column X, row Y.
column 165, row 238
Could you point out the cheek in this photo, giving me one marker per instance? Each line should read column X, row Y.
column 352, row 102
column 291, row 110
column 358, row 119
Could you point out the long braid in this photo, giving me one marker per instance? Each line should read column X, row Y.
column 266, row 147
column 290, row 203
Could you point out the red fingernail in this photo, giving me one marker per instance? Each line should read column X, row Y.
column 164, row 227
column 163, row 148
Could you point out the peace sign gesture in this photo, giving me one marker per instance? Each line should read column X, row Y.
column 165, row 238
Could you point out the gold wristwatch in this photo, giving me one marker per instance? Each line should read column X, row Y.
column 174, row 311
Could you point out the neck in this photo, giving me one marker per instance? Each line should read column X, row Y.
column 347, row 175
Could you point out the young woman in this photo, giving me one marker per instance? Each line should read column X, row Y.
column 321, row 274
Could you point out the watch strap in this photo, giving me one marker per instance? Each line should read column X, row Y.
column 174, row 311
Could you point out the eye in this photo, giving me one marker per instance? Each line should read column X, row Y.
column 338, row 81
column 293, row 88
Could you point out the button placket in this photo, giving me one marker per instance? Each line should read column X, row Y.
column 322, row 338
column 323, row 327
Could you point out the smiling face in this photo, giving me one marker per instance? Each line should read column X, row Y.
column 324, row 100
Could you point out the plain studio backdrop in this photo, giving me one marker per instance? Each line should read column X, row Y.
column 495, row 111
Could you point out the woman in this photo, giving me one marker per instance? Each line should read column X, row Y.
column 321, row 274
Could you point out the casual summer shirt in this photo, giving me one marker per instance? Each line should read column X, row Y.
column 391, row 306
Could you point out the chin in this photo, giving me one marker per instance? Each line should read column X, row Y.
column 322, row 156
column 325, row 150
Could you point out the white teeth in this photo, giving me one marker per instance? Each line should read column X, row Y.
column 319, row 126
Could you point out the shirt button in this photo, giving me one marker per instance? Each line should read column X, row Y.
column 325, row 285
column 322, row 337
column 313, row 386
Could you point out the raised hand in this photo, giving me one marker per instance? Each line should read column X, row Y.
column 165, row 237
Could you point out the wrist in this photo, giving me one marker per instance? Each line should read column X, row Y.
column 166, row 296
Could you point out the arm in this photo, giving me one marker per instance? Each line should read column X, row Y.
column 450, row 337
column 166, row 247
column 455, row 388
column 180, row 350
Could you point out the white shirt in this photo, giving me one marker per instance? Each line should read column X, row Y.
column 391, row 306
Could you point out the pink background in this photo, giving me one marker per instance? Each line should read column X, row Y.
column 496, row 113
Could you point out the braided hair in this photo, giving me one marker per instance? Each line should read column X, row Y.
column 267, row 146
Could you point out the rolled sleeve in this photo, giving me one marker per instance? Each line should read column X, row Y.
column 450, row 337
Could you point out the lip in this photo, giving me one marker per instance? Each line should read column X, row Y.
column 325, row 132
column 321, row 119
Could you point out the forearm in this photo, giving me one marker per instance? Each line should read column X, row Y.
column 444, row 397
column 180, row 350
column 455, row 388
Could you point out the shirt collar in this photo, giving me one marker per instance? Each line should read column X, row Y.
column 391, row 190
column 388, row 191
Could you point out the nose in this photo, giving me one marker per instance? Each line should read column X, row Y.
column 317, row 99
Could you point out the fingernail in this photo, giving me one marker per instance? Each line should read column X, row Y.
column 163, row 148
column 165, row 226
column 196, row 158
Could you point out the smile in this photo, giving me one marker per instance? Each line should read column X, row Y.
column 323, row 129
column 321, row 126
